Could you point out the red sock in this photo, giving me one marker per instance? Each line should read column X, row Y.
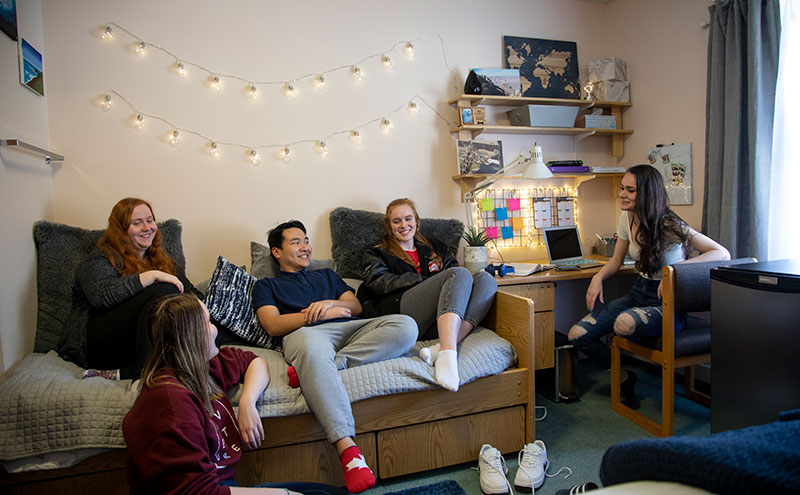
column 294, row 382
column 357, row 475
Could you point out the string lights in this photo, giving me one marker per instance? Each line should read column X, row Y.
column 318, row 79
column 284, row 153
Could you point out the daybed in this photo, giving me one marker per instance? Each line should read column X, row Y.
column 45, row 408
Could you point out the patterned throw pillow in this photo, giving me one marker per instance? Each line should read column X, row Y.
column 230, row 303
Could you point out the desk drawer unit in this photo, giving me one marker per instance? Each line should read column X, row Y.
column 543, row 296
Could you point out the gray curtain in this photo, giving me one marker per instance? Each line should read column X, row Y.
column 743, row 47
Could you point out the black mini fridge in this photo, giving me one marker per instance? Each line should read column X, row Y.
column 755, row 343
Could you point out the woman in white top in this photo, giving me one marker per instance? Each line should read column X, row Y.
column 654, row 236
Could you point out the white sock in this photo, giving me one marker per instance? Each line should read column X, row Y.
column 446, row 370
column 429, row 354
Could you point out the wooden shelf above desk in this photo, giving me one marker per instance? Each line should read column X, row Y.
column 468, row 182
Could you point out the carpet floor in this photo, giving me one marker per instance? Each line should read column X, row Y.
column 576, row 434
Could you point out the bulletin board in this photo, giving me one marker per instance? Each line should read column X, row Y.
column 516, row 217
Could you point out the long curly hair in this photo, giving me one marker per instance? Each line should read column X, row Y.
column 389, row 242
column 176, row 329
column 658, row 226
column 117, row 244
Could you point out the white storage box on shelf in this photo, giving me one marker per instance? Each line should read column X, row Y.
column 608, row 69
column 543, row 116
column 612, row 91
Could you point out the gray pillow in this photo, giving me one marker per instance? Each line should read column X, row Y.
column 263, row 266
column 353, row 231
column 60, row 250
column 230, row 303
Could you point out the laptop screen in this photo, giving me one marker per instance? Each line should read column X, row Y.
column 563, row 243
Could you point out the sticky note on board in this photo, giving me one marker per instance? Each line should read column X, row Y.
column 513, row 204
column 491, row 232
column 508, row 232
column 518, row 223
column 487, row 204
column 501, row 214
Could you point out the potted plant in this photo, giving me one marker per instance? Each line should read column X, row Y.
column 476, row 254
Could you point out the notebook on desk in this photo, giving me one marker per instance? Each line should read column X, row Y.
column 564, row 248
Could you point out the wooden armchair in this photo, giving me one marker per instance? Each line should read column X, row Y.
column 686, row 287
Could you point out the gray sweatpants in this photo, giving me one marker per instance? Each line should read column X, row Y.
column 318, row 352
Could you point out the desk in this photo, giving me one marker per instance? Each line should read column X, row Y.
column 541, row 288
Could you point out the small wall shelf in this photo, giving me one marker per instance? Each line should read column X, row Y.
column 49, row 156
column 468, row 182
column 615, row 107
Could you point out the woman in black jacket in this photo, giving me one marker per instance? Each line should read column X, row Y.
column 406, row 273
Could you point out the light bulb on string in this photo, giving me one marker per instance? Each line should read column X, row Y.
column 387, row 62
column 319, row 81
column 180, row 69
column 386, row 125
column 355, row 136
column 356, row 72
column 213, row 149
column 290, row 89
column 106, row 102
column 108, row 33
column 253, row 156
column 139, row 124
column 214, row 82
column 409, row 49
column 252, row 90
column 322, row 148
column 285, row 154
column 141, row 48
column 174, row 137
column 413, row 108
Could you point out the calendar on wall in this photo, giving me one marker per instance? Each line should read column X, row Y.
column 516, row 217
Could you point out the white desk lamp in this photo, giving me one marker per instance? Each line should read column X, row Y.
column 536, row 169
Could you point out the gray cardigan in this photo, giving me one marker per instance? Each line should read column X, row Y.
column 99, row 285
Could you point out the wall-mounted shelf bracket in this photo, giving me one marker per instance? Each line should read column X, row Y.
column 49, row 156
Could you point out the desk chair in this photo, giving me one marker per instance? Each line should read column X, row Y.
column 686, row 287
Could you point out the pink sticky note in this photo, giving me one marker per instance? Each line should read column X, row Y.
column 491, row 232
column 513, row 204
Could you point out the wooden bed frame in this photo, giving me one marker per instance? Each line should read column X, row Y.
column 398, row 434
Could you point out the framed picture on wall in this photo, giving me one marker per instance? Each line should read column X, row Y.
column 547, row 68
column 8, row 18
column 31, row 67
column 479, row 157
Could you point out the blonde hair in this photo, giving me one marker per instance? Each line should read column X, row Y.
column 176, row 328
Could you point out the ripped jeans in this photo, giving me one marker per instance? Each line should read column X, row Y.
column 641, row 303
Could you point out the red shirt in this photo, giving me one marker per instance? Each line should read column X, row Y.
column 415, row 258
column 174, row 446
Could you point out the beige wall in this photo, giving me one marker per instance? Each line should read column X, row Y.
column 225, row 203
column 26, row 190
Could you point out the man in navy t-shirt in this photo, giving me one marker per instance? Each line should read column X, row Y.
column 316, row 313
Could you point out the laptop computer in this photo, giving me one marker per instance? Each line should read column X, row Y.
column 564, row 248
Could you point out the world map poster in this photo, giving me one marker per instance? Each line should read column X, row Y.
column 547, row 68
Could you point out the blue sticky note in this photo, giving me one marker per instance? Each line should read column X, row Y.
column 508, row 232
column 501, row 213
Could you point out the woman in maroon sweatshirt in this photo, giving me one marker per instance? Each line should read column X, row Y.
column 182, row 434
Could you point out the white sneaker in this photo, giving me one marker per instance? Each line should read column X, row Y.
column 493, row 471
column 532, row 466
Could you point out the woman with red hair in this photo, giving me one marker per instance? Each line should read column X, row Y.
column 127, row 271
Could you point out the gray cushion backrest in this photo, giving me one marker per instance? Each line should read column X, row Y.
column 263, row 266
column 353, row 231
column 60, row 250
column 693, row 283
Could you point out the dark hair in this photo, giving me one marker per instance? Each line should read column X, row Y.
column 389, row 241
column 659, row 226
column 275, row 236
column 176, row 327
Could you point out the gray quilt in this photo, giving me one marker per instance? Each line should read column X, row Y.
column 45, row 407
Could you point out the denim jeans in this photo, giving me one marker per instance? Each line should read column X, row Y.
column 641, row 302
column 296, row 486
column 454, row 290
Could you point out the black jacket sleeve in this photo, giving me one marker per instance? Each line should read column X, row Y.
column 379, row 280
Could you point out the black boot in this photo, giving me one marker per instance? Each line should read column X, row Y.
column 627, row 389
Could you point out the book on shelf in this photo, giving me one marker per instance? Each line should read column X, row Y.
column 608, row 169
column 525, row 269
column 569, row 169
